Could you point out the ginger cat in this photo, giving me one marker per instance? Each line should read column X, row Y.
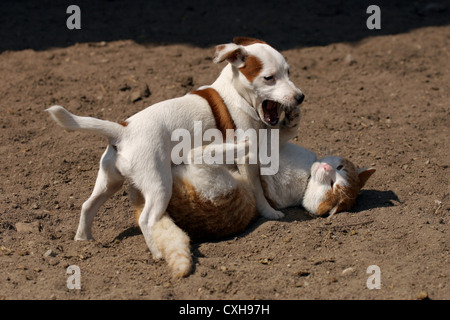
column 215, row 201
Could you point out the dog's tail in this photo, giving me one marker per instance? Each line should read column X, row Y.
column 71, row 122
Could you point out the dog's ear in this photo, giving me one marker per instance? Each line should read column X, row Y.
column 232, row 53
column 246, row 41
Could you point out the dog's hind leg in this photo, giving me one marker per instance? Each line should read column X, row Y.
column 172, row 241
column 156, row 188
column 108, row 182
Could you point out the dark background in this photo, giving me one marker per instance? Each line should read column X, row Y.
column 285, row 24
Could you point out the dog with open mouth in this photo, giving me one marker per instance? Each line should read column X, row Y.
column 251, row 92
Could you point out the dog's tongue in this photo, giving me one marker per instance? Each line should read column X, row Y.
column 271, row 112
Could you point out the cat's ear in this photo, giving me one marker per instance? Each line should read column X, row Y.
column 364, row 175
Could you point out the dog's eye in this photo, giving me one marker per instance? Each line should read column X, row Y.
column 268, row 78
column 339, row 167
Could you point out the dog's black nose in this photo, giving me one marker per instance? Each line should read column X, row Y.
column 299, row 98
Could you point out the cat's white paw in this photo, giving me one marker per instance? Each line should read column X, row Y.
column 292, row 117
column 271, row 213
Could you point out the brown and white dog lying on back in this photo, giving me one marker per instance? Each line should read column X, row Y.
column 251, row 93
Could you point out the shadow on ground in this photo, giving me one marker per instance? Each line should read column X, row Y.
column 285, row 24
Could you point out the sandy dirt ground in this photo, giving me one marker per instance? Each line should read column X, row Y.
column 378, row 97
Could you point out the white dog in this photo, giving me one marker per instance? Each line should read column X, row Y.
column 251, row 92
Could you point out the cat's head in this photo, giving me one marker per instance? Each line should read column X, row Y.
column 334, row 185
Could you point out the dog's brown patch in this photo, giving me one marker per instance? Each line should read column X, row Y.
column 252, row 68
column 246, row 41
column 220, row 47
column 124, row 123
column 219, row 109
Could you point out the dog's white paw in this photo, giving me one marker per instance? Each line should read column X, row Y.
column 82, row 236
column 271, row 213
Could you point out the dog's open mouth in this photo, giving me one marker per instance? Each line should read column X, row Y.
column 271, row 112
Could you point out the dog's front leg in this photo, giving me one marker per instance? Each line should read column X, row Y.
column 263, row 206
